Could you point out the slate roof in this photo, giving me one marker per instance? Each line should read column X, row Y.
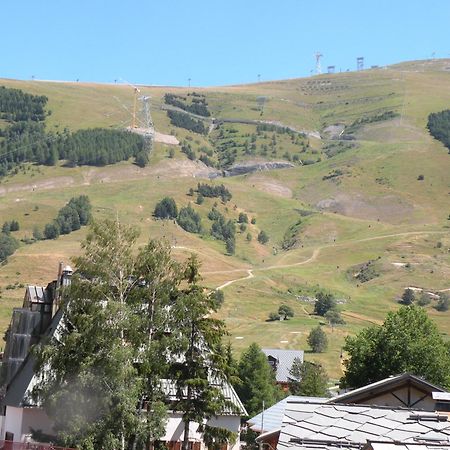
column 273, row 416
column 403, row 446
column 324, row 425
column 285, row 359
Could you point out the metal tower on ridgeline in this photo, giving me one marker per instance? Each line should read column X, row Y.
column 360, row 63
column 146, row 115
column 318, row 55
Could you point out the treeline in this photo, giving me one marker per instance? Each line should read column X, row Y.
column 16, row 105
column 386, row 115
column 99, row 147
column 27, row 140
column 70, row 218
column 183, row 120
column 198, row 105
column 439, row 126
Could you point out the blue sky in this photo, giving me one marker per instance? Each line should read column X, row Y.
column 213, row 42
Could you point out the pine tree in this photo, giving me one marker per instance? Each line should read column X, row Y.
column 257, row 381
column 202, row 365
column 308, row 378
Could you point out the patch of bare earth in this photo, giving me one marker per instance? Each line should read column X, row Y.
column 115, row 174
column 389, row 208
column 165, row 138
column 270, row 186
column 49, row 183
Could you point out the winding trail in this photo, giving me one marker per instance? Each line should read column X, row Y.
column 313, row 257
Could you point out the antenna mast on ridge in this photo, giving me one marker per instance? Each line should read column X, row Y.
column 318, row 55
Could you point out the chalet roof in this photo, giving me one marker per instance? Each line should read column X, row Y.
column 273, row 416
column 169, row 388
column 327, row 426
column 387, row 384
column 284, row 358
column 36, row 294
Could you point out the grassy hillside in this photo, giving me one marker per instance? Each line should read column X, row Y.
column 355, row 201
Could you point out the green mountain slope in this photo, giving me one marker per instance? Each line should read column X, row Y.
column 367, row 186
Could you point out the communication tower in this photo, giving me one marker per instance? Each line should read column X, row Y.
column 318, row 55
column 360, row 63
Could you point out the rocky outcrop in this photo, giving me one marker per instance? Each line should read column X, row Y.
column 243, row 168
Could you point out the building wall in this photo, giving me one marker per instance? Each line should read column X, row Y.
column 175, row 428
column 13, row 422
column 37, row 419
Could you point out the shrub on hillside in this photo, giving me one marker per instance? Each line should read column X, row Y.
column 8, row 245
column 166, row 209
column 263, row 237
column 189, row 220
column 317, row 340
column 325, row 301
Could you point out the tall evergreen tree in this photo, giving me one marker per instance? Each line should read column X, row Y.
column 257, row 385
column 308, row 378
column 202, row 364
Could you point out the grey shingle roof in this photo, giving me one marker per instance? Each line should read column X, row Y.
column 285, row 358
column 331, row 425
column 274, row 415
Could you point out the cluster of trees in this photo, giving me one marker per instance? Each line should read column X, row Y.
column 9, row 226
column 132, row 319
column 285, row 312
column 99, row 147
column 16, row 105
column 198, row 105
column 326, row 306
column 188, row 151
column 208, row 190
column 186, row 217
column 224, row 230
column 358, row 123
column 189, row 219
column 423, row 299
column 26, row 140
column 439, row 126
column 407, row 341
column 183, row 120
column 70, row 218
column 8, row 245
